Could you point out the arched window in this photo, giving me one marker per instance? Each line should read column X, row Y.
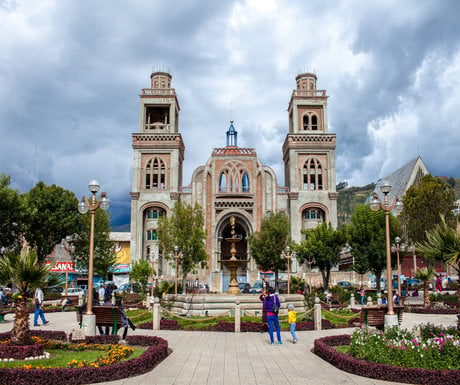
column 306, row 122
column 312, row 175
column 314, row 122
column 155, row 174
column 223, row 182
column 245, row 182
column 313, row 215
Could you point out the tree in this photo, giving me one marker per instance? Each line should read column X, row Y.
column 425, row 274
column 423, row 205
column 184, row 228
column 141, row 272
column 26, row 273
column 367, row 236
column 104, row 249
column 11, row 215
column 443, row 244
column 267, row 244
column 323, row 244
column 51, row 215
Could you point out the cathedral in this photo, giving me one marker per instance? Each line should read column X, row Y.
column 233, row 182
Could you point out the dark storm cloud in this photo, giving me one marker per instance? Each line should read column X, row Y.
column 71, row 74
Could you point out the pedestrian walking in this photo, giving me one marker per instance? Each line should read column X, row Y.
column 39, row 307
column 292, row 319
column 438, row 284
column 125, row 321
column 272, row 304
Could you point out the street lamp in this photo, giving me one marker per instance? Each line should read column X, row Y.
column 68, row 247
column 398, row 246
column 310, row 261
column 390, row 318
column 176, row 256
column 288, row 255
column 83, row 207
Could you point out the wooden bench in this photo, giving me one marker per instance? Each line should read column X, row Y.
column 132, row 299
column 375, row 315
column 108, row 316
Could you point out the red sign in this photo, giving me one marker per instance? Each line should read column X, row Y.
column 61, row 267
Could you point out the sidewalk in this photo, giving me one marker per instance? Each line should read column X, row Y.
column 201, row 358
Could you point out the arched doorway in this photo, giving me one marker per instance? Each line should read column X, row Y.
column 242, row 232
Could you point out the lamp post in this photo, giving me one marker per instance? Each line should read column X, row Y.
column 68, row 247
column 176, row 256
column 398, row 246
column 390, row 318
column 310, row 260
column 288, row 255
column 92, row 205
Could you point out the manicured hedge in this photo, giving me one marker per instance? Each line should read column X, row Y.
column 323, row 347
column 20, row 352
column 429, row 310
column 157, row 352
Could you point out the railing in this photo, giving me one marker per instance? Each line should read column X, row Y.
column 310, row 93
column 157, row 126
column 158, row 91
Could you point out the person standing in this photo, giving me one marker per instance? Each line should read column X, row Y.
column 362, row 293
column 272, row 304
column 2, row 296
column 264, row 310
column 39, row 307
column 101, row 294
column 292, row 319
column 438, row 284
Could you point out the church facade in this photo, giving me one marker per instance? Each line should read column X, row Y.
column 233, row 182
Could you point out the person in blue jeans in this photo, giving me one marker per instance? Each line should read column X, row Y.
column 272, row 315
column 39, row 307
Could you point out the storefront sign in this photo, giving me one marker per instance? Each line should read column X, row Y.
column 61, row 266
column 121, row 268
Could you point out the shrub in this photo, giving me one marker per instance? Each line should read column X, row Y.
column 323, row 347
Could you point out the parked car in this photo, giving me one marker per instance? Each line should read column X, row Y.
column 256, row 288
column 244, row 287
column 344, row 284
column 201, row 288
column 126, row 287
column 74, row 291
column 54, row 289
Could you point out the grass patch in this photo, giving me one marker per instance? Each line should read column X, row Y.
column 60, row 358
column 342, row 349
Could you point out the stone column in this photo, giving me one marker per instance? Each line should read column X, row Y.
column 237, row 316
column 156, row 314
column 317, row 314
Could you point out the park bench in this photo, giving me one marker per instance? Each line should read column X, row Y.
column 108, row 316
column 72, row 298
column 132, row 300
column 375, row 315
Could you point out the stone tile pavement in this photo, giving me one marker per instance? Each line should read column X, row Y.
column 205, row 358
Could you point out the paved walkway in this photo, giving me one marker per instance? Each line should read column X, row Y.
column 204, row 358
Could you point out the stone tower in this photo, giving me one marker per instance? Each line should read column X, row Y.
column 157, row 164
column 309, row 158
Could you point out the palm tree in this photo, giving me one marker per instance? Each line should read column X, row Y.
column 425, row 274
column 26, row 273
column 443, row 244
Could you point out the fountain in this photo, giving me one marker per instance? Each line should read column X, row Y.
column 233, row 263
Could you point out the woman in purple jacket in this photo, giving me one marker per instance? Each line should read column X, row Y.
column 272, row 315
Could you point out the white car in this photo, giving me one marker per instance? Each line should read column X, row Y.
column 74, row 291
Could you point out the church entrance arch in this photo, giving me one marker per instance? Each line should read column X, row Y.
column 242, row 231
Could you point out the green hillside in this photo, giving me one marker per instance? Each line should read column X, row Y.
column 349, row 198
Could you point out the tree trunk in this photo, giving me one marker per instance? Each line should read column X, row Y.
column 184, row 283
column 426, row 295
column 277, row 282
column 325, row 274
column 378, row 277
column 20, row 335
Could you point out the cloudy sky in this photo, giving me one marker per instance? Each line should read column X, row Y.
column 71, row 73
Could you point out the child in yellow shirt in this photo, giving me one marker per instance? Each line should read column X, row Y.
column 292, row 321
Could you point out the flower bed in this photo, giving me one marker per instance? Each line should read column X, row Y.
column 323, row 347
column 157, row 351
column 429, row 310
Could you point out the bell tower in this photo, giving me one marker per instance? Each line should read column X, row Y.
column 158, row 155
column 309, row 158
